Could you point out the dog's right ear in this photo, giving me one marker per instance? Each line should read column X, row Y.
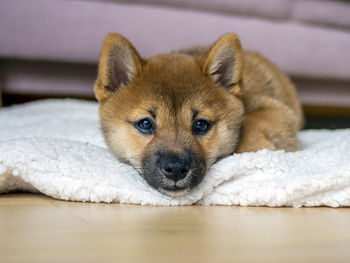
column 118, row 66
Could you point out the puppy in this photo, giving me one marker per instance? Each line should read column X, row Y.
column 172, row 116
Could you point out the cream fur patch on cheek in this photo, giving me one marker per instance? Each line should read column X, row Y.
column 129, row 145
column 122, row 145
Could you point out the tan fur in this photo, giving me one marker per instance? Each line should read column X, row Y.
column 222, row 83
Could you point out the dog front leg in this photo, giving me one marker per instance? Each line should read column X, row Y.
column 269, row 128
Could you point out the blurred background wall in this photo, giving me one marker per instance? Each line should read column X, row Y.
column 50, row 48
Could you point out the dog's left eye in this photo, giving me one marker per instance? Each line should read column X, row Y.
column 145, row 126
column 201, row 127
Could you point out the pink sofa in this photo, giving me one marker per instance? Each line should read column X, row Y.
column 52, row 46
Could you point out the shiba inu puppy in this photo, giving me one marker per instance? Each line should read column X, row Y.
column 172, row 116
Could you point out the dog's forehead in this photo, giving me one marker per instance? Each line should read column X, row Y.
column 174, row 75
column 170, row 103
column 172, row 68
column 176, row 84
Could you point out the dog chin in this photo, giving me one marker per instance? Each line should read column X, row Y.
column 174, row 193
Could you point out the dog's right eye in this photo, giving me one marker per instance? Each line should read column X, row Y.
column 145, row 126
column 201, row 127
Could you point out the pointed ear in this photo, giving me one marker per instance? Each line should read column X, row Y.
column 119, row 64
column 223, row 62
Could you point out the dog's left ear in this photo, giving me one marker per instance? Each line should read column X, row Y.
column 223, row 62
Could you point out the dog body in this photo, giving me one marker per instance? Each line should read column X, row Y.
column 172, row 116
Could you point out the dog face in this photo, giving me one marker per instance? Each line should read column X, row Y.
column 170, row 116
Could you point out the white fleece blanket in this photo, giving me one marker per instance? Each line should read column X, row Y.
column 56, row 147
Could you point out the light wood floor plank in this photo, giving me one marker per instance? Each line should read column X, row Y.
column 35, row 228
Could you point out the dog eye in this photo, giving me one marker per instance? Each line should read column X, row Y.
column 201, row 127
column 145, row 126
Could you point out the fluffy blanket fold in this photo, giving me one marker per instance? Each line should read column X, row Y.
column 56, row 147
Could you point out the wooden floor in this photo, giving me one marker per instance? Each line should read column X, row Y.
column 34, row 228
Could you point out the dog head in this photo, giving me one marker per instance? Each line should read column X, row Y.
column 170, row 116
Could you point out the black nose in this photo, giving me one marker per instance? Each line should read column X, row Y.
column 175, row 167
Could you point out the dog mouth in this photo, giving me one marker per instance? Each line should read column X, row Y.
column 174, row 191
column 158, row 181
column 171, row 188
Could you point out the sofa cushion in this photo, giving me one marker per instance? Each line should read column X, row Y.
column 72, row 31
column 332, row 13
column 280, row 9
